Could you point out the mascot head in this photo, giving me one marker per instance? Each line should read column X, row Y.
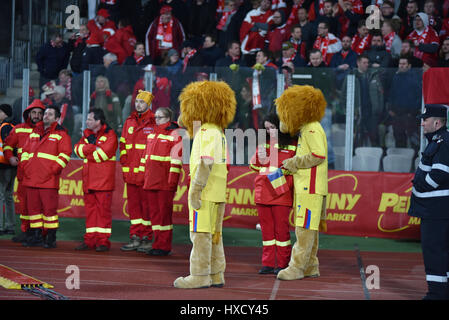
column 207, row 102
column 299, row 105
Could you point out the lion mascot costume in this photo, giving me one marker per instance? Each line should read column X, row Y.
column 207, row 108
column 300, row 109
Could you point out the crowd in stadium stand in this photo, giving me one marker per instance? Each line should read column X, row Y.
column 281, row 36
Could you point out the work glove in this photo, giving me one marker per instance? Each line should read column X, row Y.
column 92, row 139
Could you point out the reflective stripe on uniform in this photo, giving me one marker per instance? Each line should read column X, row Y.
column 24, row 130
column 162, row 228
column 283, row 243
column 441, row 167
column 430, row 181
column 431, row 194
column 99, row 230
column 51, row 157
column 433, row 278
column 269, row 243
column 424, row 168
column 55, row 136
column 165, row 137
column 159, row 158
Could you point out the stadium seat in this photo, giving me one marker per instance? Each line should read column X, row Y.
column 407, row 152
column 371, row 151
column 397, row 163
column 365, row 162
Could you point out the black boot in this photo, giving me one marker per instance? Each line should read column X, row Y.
column 437, row 291
column 50, row 240
column 35, row 239
column 21, row 237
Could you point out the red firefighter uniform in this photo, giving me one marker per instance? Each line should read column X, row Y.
column 273, row 208
column 44, row 156
column 98, row 154
column 132, row 148
column 15, row 141
column 163, row 165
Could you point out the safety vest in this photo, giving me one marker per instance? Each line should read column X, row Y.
column 2, row 156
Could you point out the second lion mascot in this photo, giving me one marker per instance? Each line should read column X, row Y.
column 207, row 108
column 300, row 109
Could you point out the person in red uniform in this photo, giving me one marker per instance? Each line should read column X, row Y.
column 273, row 208
column 137, row 127
column 44, row 155
column 97, row 147
column 13, row 152
column 163, row 165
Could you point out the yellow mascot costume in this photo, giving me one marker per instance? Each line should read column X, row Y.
column 207, row 108
column 300, row 109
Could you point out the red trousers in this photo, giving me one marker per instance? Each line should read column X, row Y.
column 98, row 218
column 139, row 215
column 42, row 206
column 160, row 203
column 275, row 235
column 21, row 207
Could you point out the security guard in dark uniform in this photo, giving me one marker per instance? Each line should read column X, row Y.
column 430, row 201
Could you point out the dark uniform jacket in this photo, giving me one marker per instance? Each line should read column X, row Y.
column 430, row 192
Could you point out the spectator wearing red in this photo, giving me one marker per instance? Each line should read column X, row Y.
column 297, row 41
column 190, row 55
column 253, row 31
column 408, row 20
column 122, row 42
column 326, row 42
column 361, row 41
column 278, row 32
column 316, row 9
column 163, row 167
column 330, row 16
column 100, row 25
column 138, row 57
column 393, row 43
column 425, row 39
column 97, row 147
column 350, row 12
column 164, row 33
column 444, row 32
column 290, row 57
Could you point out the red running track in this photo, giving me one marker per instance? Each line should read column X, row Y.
column 135, row 276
